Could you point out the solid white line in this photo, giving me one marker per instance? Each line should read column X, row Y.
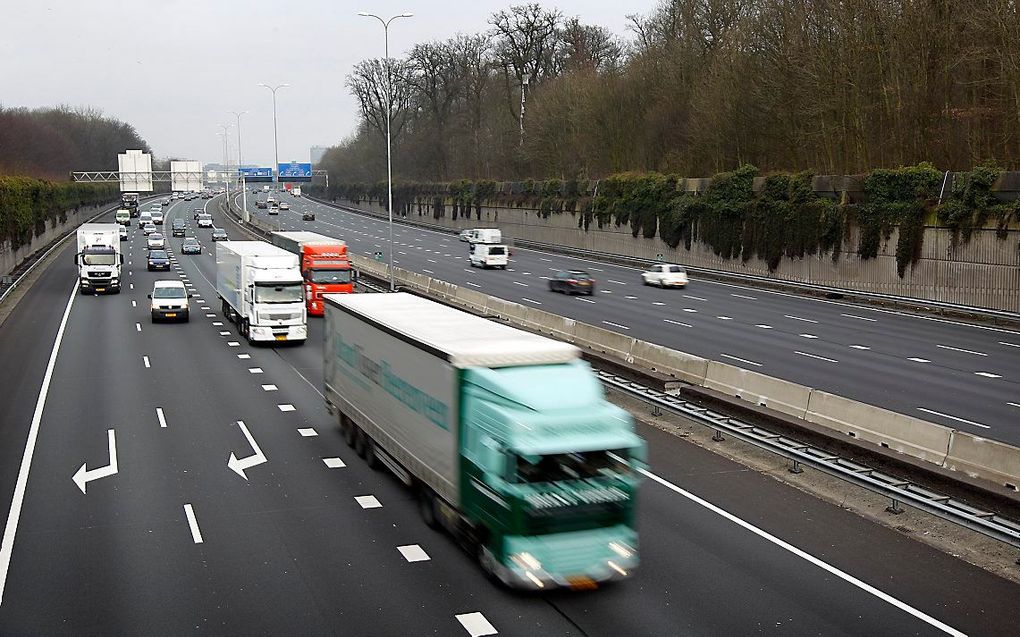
column 742, row 360
column 846, row 577
column 160, row 417
column 521, row 284
column 196, row 534
column 797, row 318
column 965, row 351
column 988, row 374
column 919, row 360
column 860, row 318
column 696, row 298
column 821, row 358
column 1009, row 344
column 14, row 515
column 145, row 361
column 622, row 327
column 524, row 298
column 969, row 422
column 474, row 285
column 1013, row 404
column 744, row 296
column 671, row 322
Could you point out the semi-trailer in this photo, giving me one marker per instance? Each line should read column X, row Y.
column 260, row 289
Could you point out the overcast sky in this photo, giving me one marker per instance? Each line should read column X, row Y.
column 174, row 68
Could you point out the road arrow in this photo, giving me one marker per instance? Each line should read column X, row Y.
column 83, row 476
column 238, row 466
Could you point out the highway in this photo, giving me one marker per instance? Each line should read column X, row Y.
column 963, row 376
column 167, row 539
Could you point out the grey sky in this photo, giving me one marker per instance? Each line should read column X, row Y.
column 174, row 68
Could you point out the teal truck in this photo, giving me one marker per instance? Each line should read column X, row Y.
column 506, row 436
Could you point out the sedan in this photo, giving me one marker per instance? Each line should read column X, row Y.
column 665, row 275
column 219, row 234
column 158, row 260
column 284, row 205
column 308, row 216
column 148, row 228
column 261, row 204
column 572, row 282
column 191, row 246
column 197, row 211
column 155, row 242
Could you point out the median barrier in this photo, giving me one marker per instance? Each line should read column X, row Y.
column 443, row 290
column 605, row 341
column 505, row 310
column 908, row 435
column 783, row 396
column 984, row 459
column 679, row 365
column 475, row 300
column 551, row 324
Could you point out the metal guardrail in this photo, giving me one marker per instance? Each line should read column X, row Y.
column 898, row 490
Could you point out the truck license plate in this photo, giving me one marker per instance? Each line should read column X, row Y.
column 281, row 337
column 171, row 314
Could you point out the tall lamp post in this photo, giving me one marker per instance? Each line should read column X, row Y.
column 240, row 177
column 276, row 141
column 226, row 159
column 389, row 93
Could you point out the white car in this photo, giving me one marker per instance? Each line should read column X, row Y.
column 157, row 217
column 169, row 301
column 148, row 228
column 665, row 275
column 123, row 233
column 284, row 205
column 205, row 220
column 144, row 219
column 155, row 241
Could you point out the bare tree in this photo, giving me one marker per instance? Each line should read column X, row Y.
column 367, row 82
column 588, row 47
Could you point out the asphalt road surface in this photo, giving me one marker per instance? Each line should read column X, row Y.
column 962, row 376
column 167, row 539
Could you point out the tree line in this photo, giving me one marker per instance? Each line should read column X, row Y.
column 697, row 87
column 48, row 143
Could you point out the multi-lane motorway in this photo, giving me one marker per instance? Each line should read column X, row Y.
column 962, row 376
column 167, row 539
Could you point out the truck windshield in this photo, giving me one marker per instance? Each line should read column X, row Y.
column 99, row 258
column 572, row 466
column 329, row 276
column 284, row 293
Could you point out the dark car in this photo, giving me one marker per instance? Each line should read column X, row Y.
column 191, row 246
column 261, row 204
column 572, row 282
column 307, row 216
column 178, row 228
column 197, row 211
column 219, row 234
column 158, row 260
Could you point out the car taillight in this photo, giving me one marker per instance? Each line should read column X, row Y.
column 572, row 281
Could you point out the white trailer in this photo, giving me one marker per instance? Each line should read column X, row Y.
column 261, row 290
column 99, row 258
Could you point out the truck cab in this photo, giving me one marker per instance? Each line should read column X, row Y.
column 325, row 265
column 99, row 258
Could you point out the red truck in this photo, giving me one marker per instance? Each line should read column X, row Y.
column 325, row 266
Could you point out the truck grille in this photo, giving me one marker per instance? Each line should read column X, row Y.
column 280, row 316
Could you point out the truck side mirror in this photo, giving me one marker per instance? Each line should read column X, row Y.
column 76, row 255
column 150, row 296
column 122, row 259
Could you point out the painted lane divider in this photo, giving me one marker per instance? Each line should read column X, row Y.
column 196, row 533
column 161, row 417
column 83, row 476
column 238, row 466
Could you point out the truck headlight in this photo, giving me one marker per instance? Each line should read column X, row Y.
column 622, row 550
column 526, row 560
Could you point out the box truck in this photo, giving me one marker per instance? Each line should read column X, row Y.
column 325, row 266
column 99, row 258
column 129, row 201
column 296, row 191
column 260, row 290
column 506, row 436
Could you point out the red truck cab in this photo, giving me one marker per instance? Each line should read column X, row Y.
column 326, row 269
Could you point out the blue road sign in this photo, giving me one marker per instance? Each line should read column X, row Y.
column 249, row 172
column 294, row 171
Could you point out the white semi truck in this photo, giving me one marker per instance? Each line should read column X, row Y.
column 261, row 290
column 99, row 258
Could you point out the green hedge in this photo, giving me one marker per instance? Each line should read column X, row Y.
column 26, row 204
column 784, row 217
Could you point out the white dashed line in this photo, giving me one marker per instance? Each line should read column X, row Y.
column 524, row 298
column 474, row 285
column 988, row 374
column 334, row 463
column 217, row 324
column 427, row 271
column 255, row 370
column 138, row 327
column 725, row 318
column 209, row 315
column 918, row 360
column 224, row 333
column 134, row 304
column 520, row 284
column 233, row 344
column 797, row 318
column 965, row 351
column 860, row 318
column 585, row 300
column 672, row 322
column 1013, row 404
column 160, row 417
column 1009, row 344
column 616, row 282
column 145, row 361
column 690, row 310
column 807, row 336
column 657, row 303
column 244, row 357
column 286, row 407
column 821, row 358
column 368, row 501
column 476, row 624
column 742, row 360
column 764, row 326
column 308, row 432
column 744, row 296
column 861, row 347
column 622, row 327
column 413, row 553
column 196, row 534
column 938, row 413
column 696, row 298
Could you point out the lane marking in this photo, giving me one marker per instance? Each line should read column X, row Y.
column 860, row 318
column 286, row 407
column 196, row 533
column 224, row 333
column 475, row 285
column 138, row 327
column 160, row 417
column 744, row 296
column 428, row 271
column 657, row 303
column 1009, row 344
column 965, row 351
column 616, row 282
column 696, row 298
column 742, row 360
column 217, row 324
column 233, row 344
column 269, row 388
column 919, row 360
column 524, row 298
column 988, row 374
column 622, row 327
column 797, row 318
column 334, row 463
column 307, row 432
column 145, row 361
column 14, row 515
column 938, row 413
column 725, row 318
column 860, row 347
column 764, row 326
column 476, row 624
column 585, row 300
column 521, row 284
column 690, row 310
column 413, row 553
column 1013, row 404
column 672, row 322
column 821, row 358
column 846, row 577
column 254, row 370
column 134, row 304
column 368, row 501
column 244, row 357
column 807, row 336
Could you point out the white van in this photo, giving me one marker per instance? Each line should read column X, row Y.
column 144, row 219
column 482, row 235
column 489, row 255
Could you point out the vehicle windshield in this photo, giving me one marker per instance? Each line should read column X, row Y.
column 282, row 293
column 158, row 254
column 329, row 276
column 676, row 269
column 582, row 276
column 99, row 258
column 571, row 466
column 169, row 293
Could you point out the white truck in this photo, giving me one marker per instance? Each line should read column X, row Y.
column 261, row 290
column 99, row 258
column 296, row 191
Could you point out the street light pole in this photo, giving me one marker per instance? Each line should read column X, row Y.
column 240, row 177
column 389, row 101
column 524, row 89
column 226, row 160
column 276, row 140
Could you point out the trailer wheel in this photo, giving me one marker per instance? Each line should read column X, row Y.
column 347, row 430
column 371, row 459
column 427, row 507
column 359, row 442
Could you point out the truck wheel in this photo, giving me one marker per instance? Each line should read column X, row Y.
column 427, row 507
column 347, row 429
column 371, row 459
column 359, row 443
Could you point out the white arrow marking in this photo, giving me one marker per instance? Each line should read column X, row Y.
column 83, row 476
column 238, row 466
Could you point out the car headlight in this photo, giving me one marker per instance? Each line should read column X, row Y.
column 526, row 560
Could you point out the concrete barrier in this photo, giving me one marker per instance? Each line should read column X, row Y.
column 905, row 434
column 605, row 341
column 984, row 459
column 680, row 365
column 504, row 310
column 783, row 396
column 554, row 325
column 474, row 300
